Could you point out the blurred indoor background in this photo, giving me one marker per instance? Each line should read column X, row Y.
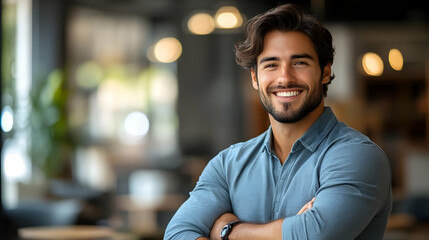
column 110, row 109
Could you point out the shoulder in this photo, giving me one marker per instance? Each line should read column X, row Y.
column 241, row 152
column 256, row 143
column 252, row 145
column 350, row 159
column 347, row 148
column 344, row 138
column 342, row 133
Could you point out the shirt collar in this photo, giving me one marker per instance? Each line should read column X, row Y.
column 314, row 135
column 319, row 130
column 267, row 140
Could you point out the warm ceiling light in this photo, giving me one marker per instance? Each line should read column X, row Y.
column 201, row 24
column 395, row 59
column 372, row 64
column 167, row 50
column 228, row 17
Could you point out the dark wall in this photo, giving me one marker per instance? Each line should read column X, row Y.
column 210, row 105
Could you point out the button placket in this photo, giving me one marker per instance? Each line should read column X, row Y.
column 281, row 184
column 277, row 172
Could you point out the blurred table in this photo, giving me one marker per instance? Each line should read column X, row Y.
column 65, row 232
column 140, row 216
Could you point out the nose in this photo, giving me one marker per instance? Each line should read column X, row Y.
column 285, row 75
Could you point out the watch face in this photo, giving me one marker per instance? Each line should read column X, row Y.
column 225, row 231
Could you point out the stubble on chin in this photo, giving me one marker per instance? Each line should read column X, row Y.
column 286, row 113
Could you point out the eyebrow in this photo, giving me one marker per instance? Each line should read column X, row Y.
column 267, row 59
column 304, row 55
column 295, row 56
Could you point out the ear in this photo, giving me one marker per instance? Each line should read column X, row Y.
column 254, row 79
column 326, row 77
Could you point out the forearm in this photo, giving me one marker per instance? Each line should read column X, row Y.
column 249, row 231
column 208, row 200
column 271, row 230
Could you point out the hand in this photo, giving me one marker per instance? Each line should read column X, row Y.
column 306, row 207
column 219, row 223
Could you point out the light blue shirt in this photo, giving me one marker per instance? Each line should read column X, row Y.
column 347, row 174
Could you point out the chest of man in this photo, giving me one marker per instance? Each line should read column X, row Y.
column 264, row 190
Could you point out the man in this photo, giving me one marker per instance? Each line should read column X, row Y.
column 308, row 176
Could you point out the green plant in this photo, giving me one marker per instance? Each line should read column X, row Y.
column 51, row 145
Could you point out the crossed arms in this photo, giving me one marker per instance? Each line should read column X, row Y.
column 249, row 231
column 352, row 201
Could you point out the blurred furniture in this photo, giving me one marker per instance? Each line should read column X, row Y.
column 95, row 204
column 44, row 213
column 410, row 214
column 145, row 218
column 66, row 232
column 147, row 198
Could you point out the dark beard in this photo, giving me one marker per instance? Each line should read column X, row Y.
column 284, row 115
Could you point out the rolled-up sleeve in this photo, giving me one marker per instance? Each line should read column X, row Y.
column 208, row 200
column 354, row 187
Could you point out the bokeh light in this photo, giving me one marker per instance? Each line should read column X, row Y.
column 15, row 166
column 7, row 119
column 201, row 24
column 167, row 50
column 372, row 64
column 395, row 59
column 136, row 124
column 228, row 17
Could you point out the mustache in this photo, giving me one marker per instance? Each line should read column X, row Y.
column 282, row 87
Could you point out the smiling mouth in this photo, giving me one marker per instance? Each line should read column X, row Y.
column 287, row 93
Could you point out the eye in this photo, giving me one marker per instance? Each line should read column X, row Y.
column 300, row 63
column 270, row 65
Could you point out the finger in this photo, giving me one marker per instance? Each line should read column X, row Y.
column 310, row 205
column 306, row 207
column 303, row 209
column 312, row 202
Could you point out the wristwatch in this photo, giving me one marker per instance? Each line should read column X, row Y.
column 226, row 230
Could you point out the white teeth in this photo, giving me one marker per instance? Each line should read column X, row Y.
column 287, row 94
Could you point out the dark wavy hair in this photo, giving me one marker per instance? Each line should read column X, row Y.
column 287, row 17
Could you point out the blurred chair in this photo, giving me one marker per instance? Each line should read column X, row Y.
column 44, row 213
column 95, row 205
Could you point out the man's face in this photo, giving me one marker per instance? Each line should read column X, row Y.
column 289, row 79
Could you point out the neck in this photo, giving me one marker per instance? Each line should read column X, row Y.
column 286, row 134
